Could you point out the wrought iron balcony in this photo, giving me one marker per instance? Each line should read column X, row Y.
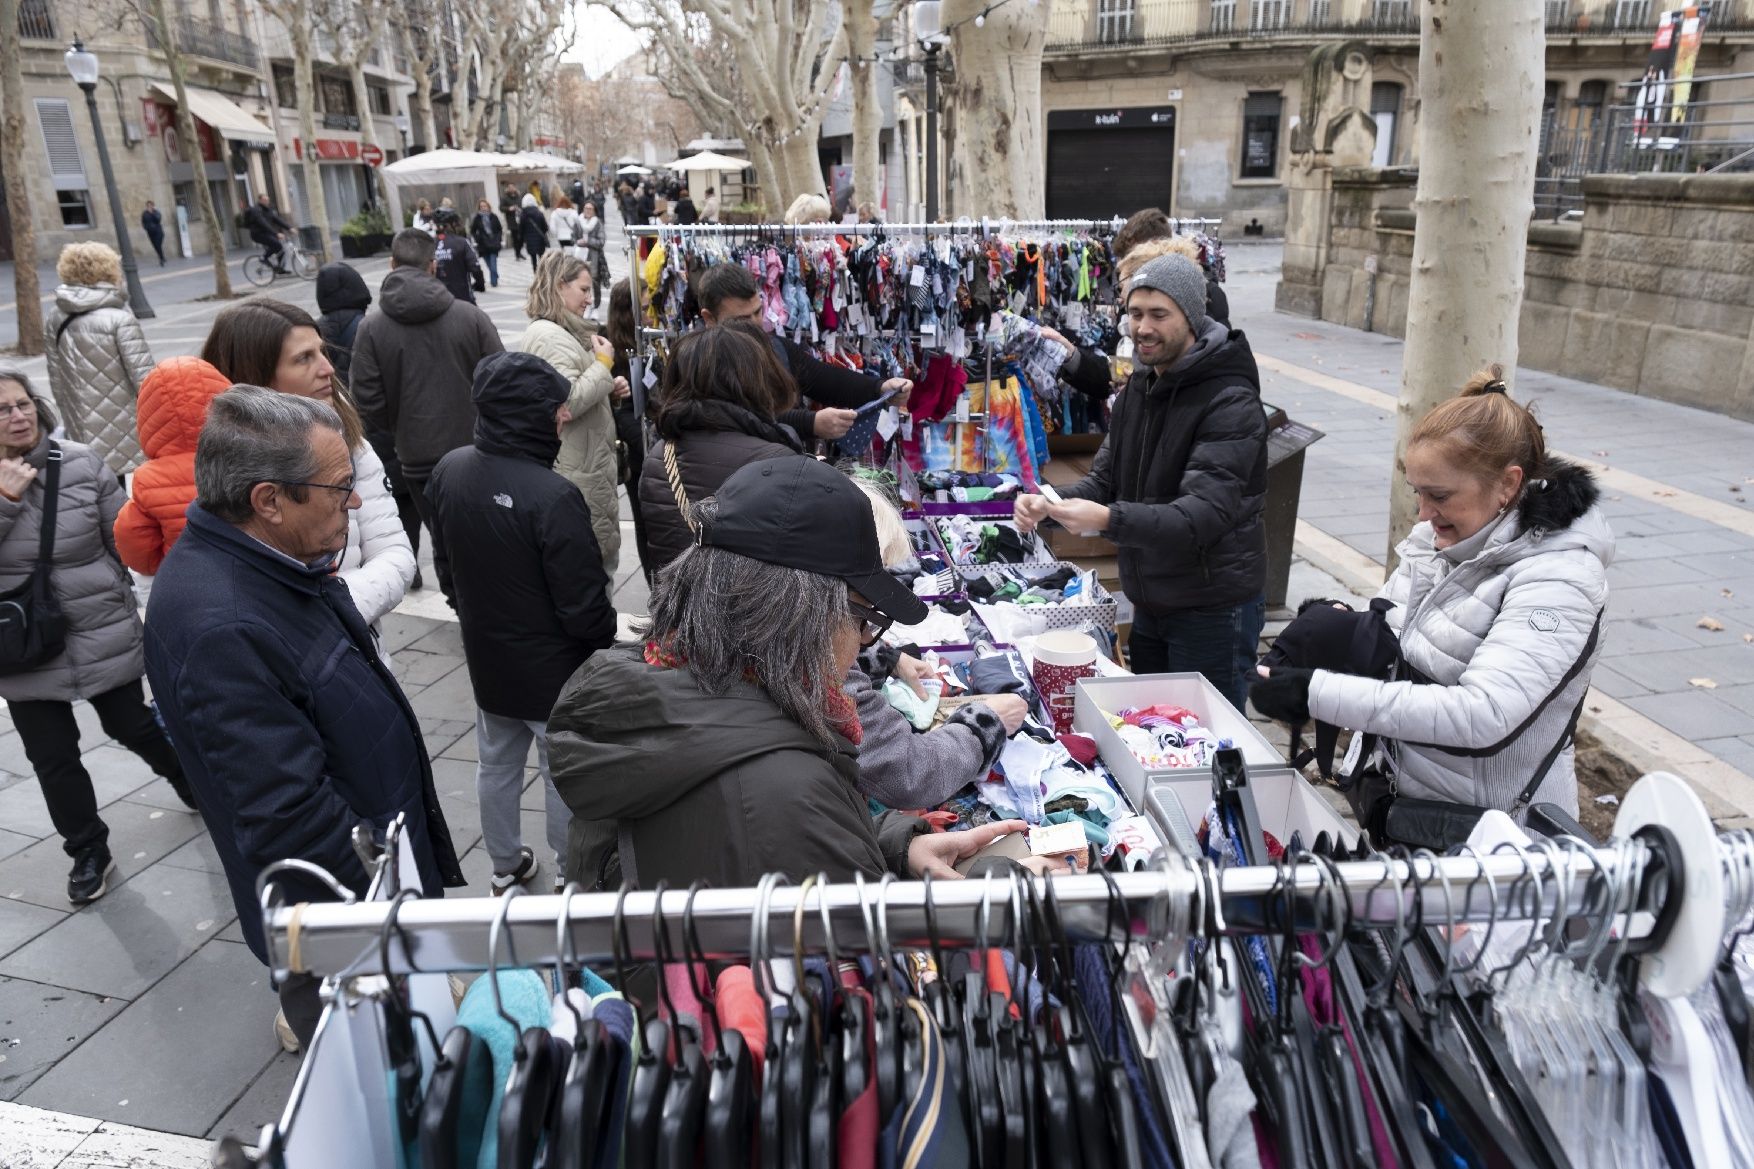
column 204, row 39
column 340, row 122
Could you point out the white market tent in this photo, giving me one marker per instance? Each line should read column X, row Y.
column 634, row 168
column 709, row 160
column 465, row 176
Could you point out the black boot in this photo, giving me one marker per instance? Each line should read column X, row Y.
column 90, row 876
column 180, row 784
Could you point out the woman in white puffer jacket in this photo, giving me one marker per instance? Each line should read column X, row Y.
column 270, row 343
column 1499, row 598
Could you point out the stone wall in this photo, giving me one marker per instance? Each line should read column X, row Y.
column 1653, row 292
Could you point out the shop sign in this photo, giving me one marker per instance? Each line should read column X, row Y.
column 1146, row 117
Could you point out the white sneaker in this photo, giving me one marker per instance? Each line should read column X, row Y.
column 283, row 1031
column 519, row 874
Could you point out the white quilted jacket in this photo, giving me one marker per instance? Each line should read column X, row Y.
column 1496, row 622
column 97, row 359
column 378, row 565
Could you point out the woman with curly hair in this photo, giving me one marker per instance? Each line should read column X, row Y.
column 97, row 354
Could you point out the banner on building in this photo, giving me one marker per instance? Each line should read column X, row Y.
column 1692, row 32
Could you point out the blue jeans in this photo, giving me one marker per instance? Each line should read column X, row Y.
column 1220, row 642
column 491, row 259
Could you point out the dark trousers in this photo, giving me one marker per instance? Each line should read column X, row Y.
column 51, row 743
column 302, row 1006
column 629, row 431
column 441, row 563
column 1220, row 642
column 157, row 242
column 409, row 513
column 491, row 259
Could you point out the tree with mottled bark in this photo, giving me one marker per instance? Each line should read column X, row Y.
column 996, row 166
column 861, row 18
column 298, row 18
column 415, row 23
column 356, row 29
column 1482, row 71
column 26, row 294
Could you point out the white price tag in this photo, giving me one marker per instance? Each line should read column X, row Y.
column 888, row 423
column 917, row 277
column 907, row 427
column 928, row 328
column 855, row 314
column 962, row 408
column 651, row 378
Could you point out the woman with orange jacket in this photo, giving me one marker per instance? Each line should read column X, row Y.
column 172, row 409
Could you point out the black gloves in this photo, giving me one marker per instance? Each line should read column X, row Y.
column 1283, row 695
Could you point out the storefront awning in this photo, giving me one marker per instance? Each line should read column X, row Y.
column 228, row 119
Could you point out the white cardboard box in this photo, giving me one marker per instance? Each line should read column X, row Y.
column 1286, row 802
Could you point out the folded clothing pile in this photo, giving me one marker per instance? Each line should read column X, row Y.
column 1041, row 584
column 926, row 572
column 967, row 487
column 948, row 622
column 1164, row 736
column 971, row 540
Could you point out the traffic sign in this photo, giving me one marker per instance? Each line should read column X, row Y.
column 371, row 154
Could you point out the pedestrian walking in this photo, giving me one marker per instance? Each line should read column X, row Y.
column 152, row 222
column 509, row 202
column 559, row 334
column 623, row 337
column 343, row 299
column 533, row 227
column 590, row 247
column 265, row 342
column 423, row 219
column 414, row 358
column 97, row 355
column 270, row 681
column 488, row 233
column 58, row 506
column 685, row 210
column 709, row 211
column 563, row 224
column 532, row 595
column 173, row 405
column 454, row 261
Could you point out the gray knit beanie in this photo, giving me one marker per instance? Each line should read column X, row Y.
column 1180, row 279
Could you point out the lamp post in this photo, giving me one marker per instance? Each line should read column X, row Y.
column 402, row 124
column 82, row 67
column 928, row 22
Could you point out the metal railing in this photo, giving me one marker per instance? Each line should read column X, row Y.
column 204, row 39
column 1646, row 130
column 35, row 21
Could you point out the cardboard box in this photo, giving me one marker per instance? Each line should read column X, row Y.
column 1285, row 800
column 1066, row 546
column 1069, row 444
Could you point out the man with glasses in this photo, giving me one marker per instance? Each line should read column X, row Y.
column 292, row 730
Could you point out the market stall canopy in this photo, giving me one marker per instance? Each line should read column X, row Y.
column 448, row 159
column 228, row 119
column 536, row 160
column 634, row 169
column 709, row 160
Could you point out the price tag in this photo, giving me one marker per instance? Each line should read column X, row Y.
column 928, row 328
column 651, row 378
column 888, row 423
column 907, row 427
column 962, row 408
column 855, row 314
column 917, row 277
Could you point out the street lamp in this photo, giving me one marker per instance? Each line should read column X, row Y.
column 401, row 121
column 82, row 67
column 928, row 30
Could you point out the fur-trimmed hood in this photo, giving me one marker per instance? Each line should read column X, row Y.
column 1559, row 500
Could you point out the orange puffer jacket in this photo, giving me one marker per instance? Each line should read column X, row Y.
column 172, row 410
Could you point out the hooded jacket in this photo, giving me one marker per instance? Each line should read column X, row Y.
column 414, row 360
column 458, row 268
column 290, row 727
column 103, row 625
column 712, row 439
column 173, row 408
column 1492, row 632
column 587, row 444
column 723, row 787
column 1183, row 471
column 342, row 298
column 532, row 228
column 97, row 358
column 532, row 594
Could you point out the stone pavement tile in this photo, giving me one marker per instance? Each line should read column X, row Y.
column 535, row 791
column 462, row 747
column 1728, row 664
column 1736, row 622
column 399, row 630
column 414, row 668
column 1374, row 525
column 1721, row 565
column 11, row 842
column 124, row 943
column 39, row 1026
column 261, row 1103
column 117, row 773
column 210, row 1019
column 20, row 921
column 1740, row 697
column 446, row 637
column 1737, row 752
column 22, row 810
column 1615, row 684
column 1656, row 571
column 233, row 933
column 139, row 836
column 1639, row 636
column 199, row 854
column 1642, row 548
column 115, row 1145
column 441, row 730
column 449, row 699
column 33, row 1139
column 1695, row 716
column 1666, row 600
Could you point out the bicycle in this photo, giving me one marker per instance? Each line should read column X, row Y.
column 299, row 263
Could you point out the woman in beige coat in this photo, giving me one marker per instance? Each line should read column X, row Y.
column 97, row 354
column 560, row 335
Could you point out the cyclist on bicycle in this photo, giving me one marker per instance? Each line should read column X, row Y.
column 268, row 229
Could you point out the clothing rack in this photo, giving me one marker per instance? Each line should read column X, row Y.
column 453, row 935
column 984, row 226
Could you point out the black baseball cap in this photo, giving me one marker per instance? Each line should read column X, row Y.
column 799, row 513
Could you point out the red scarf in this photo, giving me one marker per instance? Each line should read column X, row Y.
column 843, row 714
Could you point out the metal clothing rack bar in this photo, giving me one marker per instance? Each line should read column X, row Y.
column 452, row 935
column 959, row 227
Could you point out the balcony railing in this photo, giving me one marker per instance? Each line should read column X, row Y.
column 1154, row 23
column 204, row 39
column 35, row 21
column 340, row 122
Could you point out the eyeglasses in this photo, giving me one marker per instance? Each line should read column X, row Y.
column 25, row 407
column 345, row 490
column 872, row 624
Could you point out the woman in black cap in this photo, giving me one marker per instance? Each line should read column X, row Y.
column 723, row 746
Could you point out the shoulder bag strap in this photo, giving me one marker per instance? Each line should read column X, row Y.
column 51, row 492
column 1570, row 732
column 674, row 474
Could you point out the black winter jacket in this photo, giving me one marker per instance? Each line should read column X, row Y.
column 1183, row 471
column 342, row 298
column 458, row 269
column 532, row 597
column 713, row 439
column 533, row 230
column 414, row 360
column 1087, row 370
column 487, row 232
column 289, row 725
column 723, row 787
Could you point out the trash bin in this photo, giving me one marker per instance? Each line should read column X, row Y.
column 309, row 238
column 1286, row 442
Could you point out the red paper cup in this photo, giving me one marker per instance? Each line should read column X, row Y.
column 1061, row 658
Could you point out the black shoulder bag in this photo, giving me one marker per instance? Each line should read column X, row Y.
column 32, row 627
column 1439, row 824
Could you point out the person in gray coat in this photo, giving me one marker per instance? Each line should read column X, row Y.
column 102, row 661
column 1498, row 604
column 97, row 354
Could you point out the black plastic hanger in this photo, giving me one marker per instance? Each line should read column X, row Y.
column 686, row 1095
column 771, row 1118
column 728, row 1127
column 822, row 1037
column 579, row 1117
column 1083, row 1061
column 529, row 1091
column 985, row 1102
column 650, row 1082
column 884, row 1021
column 401, row 1046
column 940, row 999
column 1117, row 1090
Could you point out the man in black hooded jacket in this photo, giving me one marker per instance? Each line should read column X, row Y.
column 532, row 597
column 1179, row 485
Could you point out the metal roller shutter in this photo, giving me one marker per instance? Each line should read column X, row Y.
column 1093, row 174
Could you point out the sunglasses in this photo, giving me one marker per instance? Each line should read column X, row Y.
column 872, row 624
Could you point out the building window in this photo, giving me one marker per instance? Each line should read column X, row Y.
column 1592, row 98
column 1114, row 20
column 1632, row 14
column 1260, row 135
column 1393, row 14
column 1269, row 15
column 1223, row 15
column 66, row 166
column 1557, row 13
column 337, row 95
column 380, row 97
column 285, row 89
column 1321, row 13
column 35, row 21
column 1385, row 108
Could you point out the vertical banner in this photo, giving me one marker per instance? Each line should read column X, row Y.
column 1692, row 25
column 1653, row 91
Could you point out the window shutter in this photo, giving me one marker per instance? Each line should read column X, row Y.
column 66, row 167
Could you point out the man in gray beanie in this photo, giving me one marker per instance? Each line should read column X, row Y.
column 1179, row 484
